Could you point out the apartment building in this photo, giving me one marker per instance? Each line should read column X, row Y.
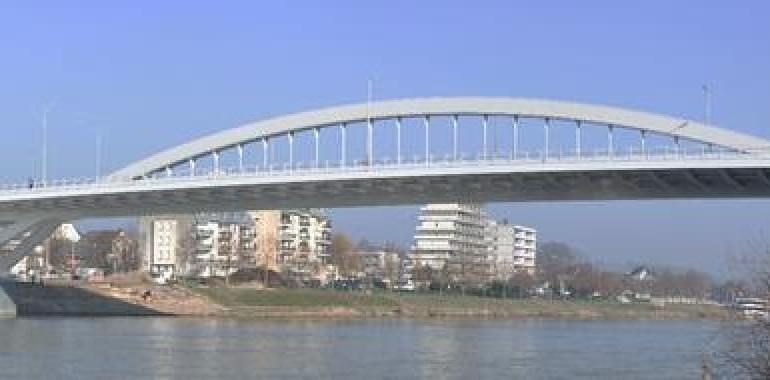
column 513, row 249
column 463, row 244
column 295, row 242
column 382, row 264
column 223, row 243
column 199, row 245
column 451, row 237
column 164, row 244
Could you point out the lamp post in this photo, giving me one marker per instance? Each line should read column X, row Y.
column 44, row 164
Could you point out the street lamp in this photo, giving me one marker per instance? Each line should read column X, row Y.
column 44, row 171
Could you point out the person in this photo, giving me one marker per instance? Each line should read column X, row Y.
column 31, row 183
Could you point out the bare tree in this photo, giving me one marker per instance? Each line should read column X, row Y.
column 555, row 259
column 748, row 353
column 521, row 282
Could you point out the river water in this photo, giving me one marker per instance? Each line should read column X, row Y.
column 168, row 348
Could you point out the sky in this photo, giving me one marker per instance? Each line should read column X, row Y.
column 143, row 76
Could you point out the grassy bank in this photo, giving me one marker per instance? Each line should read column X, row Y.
column 295, row 297
column 250, row 303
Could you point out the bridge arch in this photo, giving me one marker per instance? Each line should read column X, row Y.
column 443, row 106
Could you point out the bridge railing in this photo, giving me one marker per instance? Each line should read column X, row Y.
column 387, row 164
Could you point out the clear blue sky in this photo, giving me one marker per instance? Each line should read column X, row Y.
column 147, row 75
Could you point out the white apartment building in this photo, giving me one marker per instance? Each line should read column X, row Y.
column 295, row 242
column 305, row 239
column 451, row 235
column 163, row 244
column 66, row 231
column 164, row 247
column 382, row 264
column 200, row 245
column 223, row 244
column 513, row 249
column 471, row 247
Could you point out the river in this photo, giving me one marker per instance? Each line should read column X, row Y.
column 169, row 348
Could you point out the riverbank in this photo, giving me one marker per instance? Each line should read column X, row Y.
column 303, row 303
column 105, row 299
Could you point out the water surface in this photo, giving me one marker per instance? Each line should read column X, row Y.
column 167, row 348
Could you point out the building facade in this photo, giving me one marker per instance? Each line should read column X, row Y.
column 382, row 265
column 164, row 242
column 451, row 238
column 294, row 242
column 513, row 249
column 461, row 243
column 304, row 244
column 110, row 250
column 223, row 244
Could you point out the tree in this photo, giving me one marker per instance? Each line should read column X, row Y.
column 60, row 252
column 748, row 349
column 520, row 282
column 422, row 274
column 343, row 255
column 365, row 245
column 341, row 247
column 392, row 268
column 670, row 282
column 555, row 259
column 341, row 244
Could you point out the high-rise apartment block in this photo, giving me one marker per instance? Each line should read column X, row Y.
column 461, row 243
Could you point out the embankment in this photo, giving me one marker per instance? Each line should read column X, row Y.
column 306, row 303
column 67, row 300
column 247, row 303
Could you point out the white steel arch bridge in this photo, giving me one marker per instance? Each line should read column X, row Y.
column 237, row 169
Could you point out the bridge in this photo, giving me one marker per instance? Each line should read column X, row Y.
column 237, row 169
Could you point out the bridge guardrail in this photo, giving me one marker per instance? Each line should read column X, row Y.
column 300, row 168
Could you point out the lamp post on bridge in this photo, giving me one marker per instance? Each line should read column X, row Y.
column 240, row 157
column 546, row 127
column 484, row 123
column 343, row 144
column 44, row 169
column 578, row 138
column 291, row 150
column 427, row 140
column 265, row 152
column 515, row 137
column 454, row 137
column 398, row 140
column 707, row 104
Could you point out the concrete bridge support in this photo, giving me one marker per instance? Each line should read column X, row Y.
column 7, row 306
column 27, row 232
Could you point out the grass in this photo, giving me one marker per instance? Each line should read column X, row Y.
column 294, row 297
column 425, row 305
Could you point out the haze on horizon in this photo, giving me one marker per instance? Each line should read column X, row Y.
column 142, row 81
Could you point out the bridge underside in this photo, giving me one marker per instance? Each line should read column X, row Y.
column 27, row 222
column 394, row 190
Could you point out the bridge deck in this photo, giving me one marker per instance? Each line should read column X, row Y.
column 702, row 176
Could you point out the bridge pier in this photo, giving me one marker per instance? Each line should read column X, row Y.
column 7, row 306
